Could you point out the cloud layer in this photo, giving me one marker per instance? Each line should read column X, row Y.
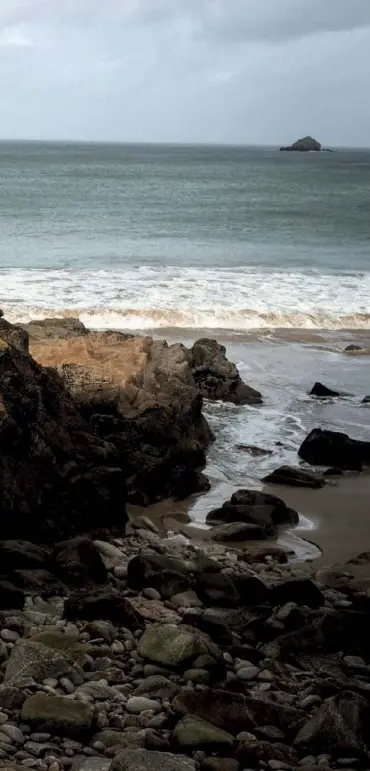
column 245, row 71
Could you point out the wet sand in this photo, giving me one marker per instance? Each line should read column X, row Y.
column 340, row 516
column 334, row 525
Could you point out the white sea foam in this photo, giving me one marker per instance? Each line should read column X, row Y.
column 152, row 297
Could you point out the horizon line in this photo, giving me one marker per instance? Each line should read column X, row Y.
column 160, row 143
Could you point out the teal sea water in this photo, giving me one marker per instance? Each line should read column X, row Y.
column 164, row 236
column 267, row 251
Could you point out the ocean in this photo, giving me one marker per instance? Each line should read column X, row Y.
column 267, row 251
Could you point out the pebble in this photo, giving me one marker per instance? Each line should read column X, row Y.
column 40, row 737
column 117, row 647
column 139, row 704
column 227, row 658
column 151, row 594
column 354, row 662
column 309, row 760
column 67, row 685
column 266, row 675
column 277, row 764
column 8, row 635
column 14, row 734
column 309, row 701
column 50, row 682
column 247, row 673
column 3, row 718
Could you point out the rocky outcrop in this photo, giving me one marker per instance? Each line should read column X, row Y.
column 145, row 398
column 138, row 394
column 307, row 144
column 218, row 378
column 254, row 507
column 57, row 478
column 294, row 477
column 322, row 391
column 332, row 448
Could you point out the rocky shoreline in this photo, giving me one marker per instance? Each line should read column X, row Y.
column 123, row 648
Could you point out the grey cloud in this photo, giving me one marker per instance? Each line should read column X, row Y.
column 186, row 70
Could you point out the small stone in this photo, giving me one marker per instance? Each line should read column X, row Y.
column 151, row 594
column 15, row 734
column 54, row 766
column 228, row 658
column 245, row 736
column 117, row 647
column 354, row 662
column 40, row 737
column 309, row 701
column 309, row 760
column 67, row 685
column 266, row 675
column 247, row 673
column 138, row 704
column 197, row 675
column 277, row 764
column 3, row 718
column 8, row 635
column 50, row 682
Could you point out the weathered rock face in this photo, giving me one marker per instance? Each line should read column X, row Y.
column 332, row 448
column 56, row 477
column 305, row 145
column 218, row 378
column 139, row 395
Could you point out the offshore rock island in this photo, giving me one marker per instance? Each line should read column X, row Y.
column 305, row 145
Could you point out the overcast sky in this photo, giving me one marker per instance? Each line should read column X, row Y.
column 233, row 71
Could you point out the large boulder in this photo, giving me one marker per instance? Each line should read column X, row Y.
column 322, row 391
column 173, row 646
column 56, row 477
column 33, row 659
column 218, row 378
column 77, row 561
column 145, row 760
column 340, row 727
column 58, row 715
column 139, row 395
column 167, row 574
column 254, row 507
column 332, row 448
column 294, row 477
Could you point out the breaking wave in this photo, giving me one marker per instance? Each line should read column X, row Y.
column 190, row 298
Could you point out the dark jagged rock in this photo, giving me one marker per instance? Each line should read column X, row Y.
column 307, row 144
column 322, row 391
column 366, row 400
column 302, row 591
column 104, row 604
column 56, row 477
column 339, row 727
column 218, row 378
column 332, row 448
column 294, row 477
column 22, row 555
column 252, row 506
column 253, row 752
column 78, row 561
column 10, row 596
column 169, row 576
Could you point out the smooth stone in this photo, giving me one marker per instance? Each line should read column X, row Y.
column 145, row 760
column 14, row 733
column 138, row 704
column 191, row 732
column 247, row 673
